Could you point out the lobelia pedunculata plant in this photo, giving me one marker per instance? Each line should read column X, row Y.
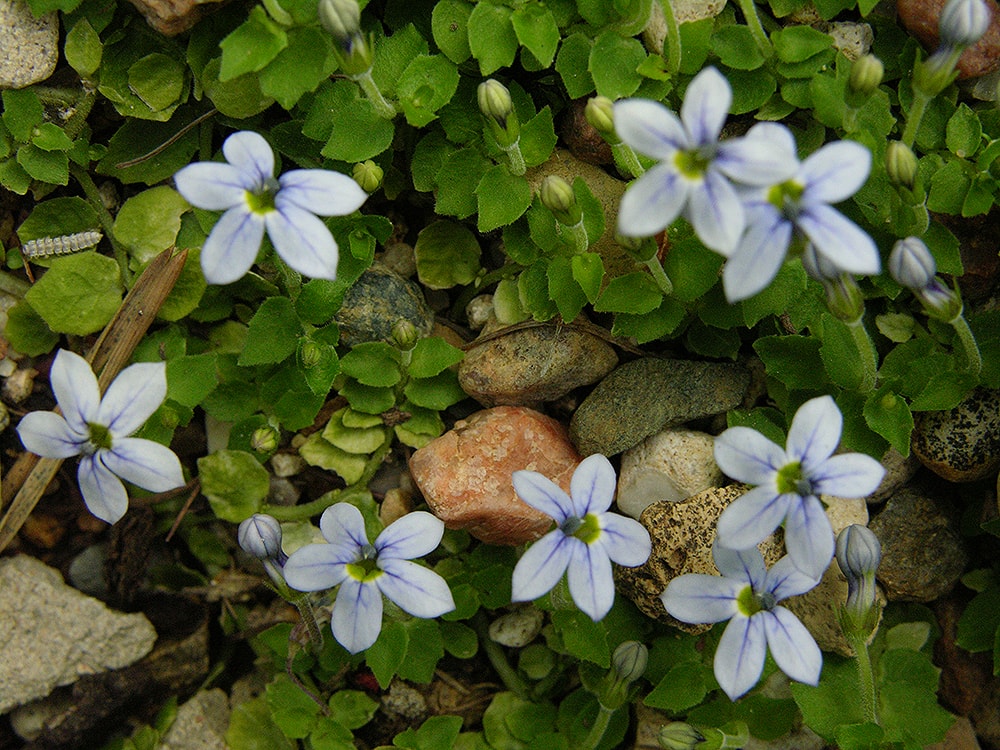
column 359, row 186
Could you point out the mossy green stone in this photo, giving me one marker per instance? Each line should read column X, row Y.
column 377, row 302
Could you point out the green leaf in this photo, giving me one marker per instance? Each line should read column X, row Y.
column 794, row 360
column 794, row 44
column 328, row 734
column 964, row 133
column 56, row 217
column 840, row 355
column 352, row 708
column 318, row 452
column 27, row 332
column 393, row 54
column 251, row 727
column 450, row 27
column 751, row 90
column 457, row 180
column 949, row 186
column 502, row 197
column 300, row 67
column 251, row 45
column 736, row 48
column 372, row 363
column 634, row 293
column 354, row 130
column 148, row 223
column 387, row 653
column 190, row 378
column 536, row 30
column 50, row 137
column 420, row 663
column 538, row 138
column 437, row 733
column 573, row 65
column 367, row 398
column 650, row 326
column 273, row 333
column 889, row 416
column 980, row 621
column 292, row 709
column 431, row 356
column 22, row 112
column 614, row 63
column 437, row 392
column 835, row 701
column 234, row 483
column 681, row 688
column 137, row 138
column 79, row 294
column 83, row 49
column 692, row 268
column 491, row 37
column 44, row 166
column 696, row 39
column 460, row 640
column 564, row 290
column 588, row 272
column 238, row 97
column 427, row 84
column 158, row 80
column 447, row 255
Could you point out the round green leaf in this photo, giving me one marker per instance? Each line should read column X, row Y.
column 79, row 294
column 447, row 255
column 235, row 484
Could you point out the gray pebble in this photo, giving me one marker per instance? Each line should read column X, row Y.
column 961, row 444
column 30, row 45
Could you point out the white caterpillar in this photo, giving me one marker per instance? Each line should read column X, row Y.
column 47, row 247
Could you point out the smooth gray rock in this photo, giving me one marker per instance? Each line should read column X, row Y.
column 647, row 395
column 51, row 634
column 528, row 366
column 30, row 45
column 922, row 552
column 961, row 444
column 379, row 300
column 201, row 723
column 517, row 628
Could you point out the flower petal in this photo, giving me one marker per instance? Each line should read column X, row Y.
column 758, row 160
column 414, row 535
column 793, row 648
column 624, row 540
column 590, row 580
column 316, row 567
column 652, row 202
column 848, row 475
column 232, row 245
column 47, row 434
column 809, row 536
column 343, row 524
column 698, row 598
column 743, row 565
column 785, row 580
column 752, row 517
column 133, row 396
column 716, row 213
column 739, row 657
column 747, row 456
column 103, row 492
column 213, row 186
column 835, row 172
column 144, row 463
column 758, row 256
column 592, row 487
column 839, row 240
column 303, row 242
column 250, row 153
column 357, row 615
column 75, row 387
column 416, row 589
column 541, row 567
column 649, row 128
column 541, row 493
column 320, row 191
column 815, row 433
column 706, row 106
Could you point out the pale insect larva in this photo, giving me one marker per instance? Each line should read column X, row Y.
column 47, row 247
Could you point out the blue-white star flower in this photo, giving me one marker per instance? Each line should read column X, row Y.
column 366, row 571
column 695, row 169
column 586, row 540
column 799, row 208
column 288, row 207
column 98, row 429
column 747, row 595
column 789, row 481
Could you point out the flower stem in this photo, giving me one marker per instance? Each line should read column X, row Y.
column 970, row 359
column 82, row 176
column 508, row 675
column 866, row 353
column 672, row 44
column 382, row 106
column 660, row 276
column 866, row 677
column 916, row 114
column 626, row 160
column 513, row 151
column 308, row 615
column 598, row 729
column 753, row 23
column 577, row 235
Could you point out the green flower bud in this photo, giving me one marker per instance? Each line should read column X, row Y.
column 557, row 195
column 844, row 297
column 264, row 439
column 405, row 334
column 901, row 164
column 368, row 175
column 342, row 19
column 866, row 75
column 600, row 113
column 678, row 735
column 311, row 354
column 643, row 249
column 498, row 109
column 629, row 661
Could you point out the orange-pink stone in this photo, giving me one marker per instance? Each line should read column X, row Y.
column 465, row 475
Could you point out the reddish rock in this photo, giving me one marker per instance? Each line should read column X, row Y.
column 920, row 17
column 465, row 474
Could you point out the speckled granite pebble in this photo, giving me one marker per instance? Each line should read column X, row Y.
column 30, row 45
column 646, row 395
column 961, row 444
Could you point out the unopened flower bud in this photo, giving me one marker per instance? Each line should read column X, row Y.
column 844, row 297
column 260, row 536
column 911, row 263
column 900, row 164
column 405, row 334
column 963, row 22
column 866, row 75
column 858, row 555
column 678, row 735
column 342, row 19
column 264, row 439
column 498, row 109
column 629, row 661
column 368, row 175
column 557, row 195
column 600, row 113
column 311, row 354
